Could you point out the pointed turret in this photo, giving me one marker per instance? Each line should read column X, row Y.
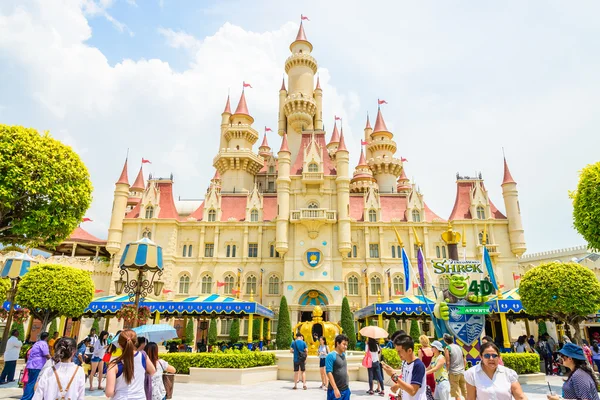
column 264, row 142
column 227, row 107
column 283, row 85
column 300, row 38
column 318, row 87
column 342, row 145
column 507, row 176
column 513, row 213
column 242, row 107
column 368, row 125
column 403, row 183
column 123, row 178
column 362, row 179
column 264, row 150
column 379, row 123
column 138, row 185
column 241, row 113
column 362, row 161
column 335, row 136
column 284, row 144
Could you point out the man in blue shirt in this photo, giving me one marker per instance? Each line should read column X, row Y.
column 336, row 368
column 300, row 350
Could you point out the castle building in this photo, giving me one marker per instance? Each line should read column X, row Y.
column 298, row 220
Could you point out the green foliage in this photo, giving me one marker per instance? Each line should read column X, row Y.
column 45, row 188
column 522, row 363
column 256, row 329
column 284, row 326
column 9, row 248
column 19, row 326
column 392, row 326
column 392, row 358
column 176, row 341
column 212, row 332
column 53, row 290
column 24, row 349
column 348, row 324
column 96, row 325
column 415, row 332
column 4, row 286
column 189, row 332
column 265, row 329
column 542, row 328
column 231, row 358
column 234, row 332
column 586, row 205
column 53, row 327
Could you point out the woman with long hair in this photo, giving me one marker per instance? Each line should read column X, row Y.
column 125, row 376
column 580, row 383
column 323, row 351
column 100, row 347
column 490, row 380
column 375, row 370
column 426, row 355
column 158, row 388
column 596, row 354
column 64, row 379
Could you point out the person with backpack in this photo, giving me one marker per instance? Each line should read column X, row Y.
column 300, row 350
column 65, row 379
column 545, row 352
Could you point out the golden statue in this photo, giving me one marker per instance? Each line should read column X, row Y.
column 312, row 330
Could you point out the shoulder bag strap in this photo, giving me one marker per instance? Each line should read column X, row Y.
column 60, row 389
column 72, row 378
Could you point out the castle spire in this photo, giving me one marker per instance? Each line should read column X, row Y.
column 227, row 106
column 368, row 126
column 284, row 144
column 282, row 84
column 507, row 176
column 380, row 123
column 300, row 38
column 301, row 35
column 139, row 181
column 123, row 178
column 342, row 145
column 335, row 136
column 264, row 142
column 362, row 161
column 242, row 107
column 318, row 84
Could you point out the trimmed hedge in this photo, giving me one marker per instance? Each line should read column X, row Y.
column 229, row 359
column 392, row 358
column 522, row 363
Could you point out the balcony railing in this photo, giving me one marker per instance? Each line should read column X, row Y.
column 321, row 214
column 309, row 177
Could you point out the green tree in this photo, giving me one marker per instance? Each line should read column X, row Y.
column 347, row 324
column 234, row 332
column 415, row 332
column 212, row 332
column 586, row 205
column 189, row 331
column 52, row 290
column 4, row 286
column 96, row 325
column 19, row 326
column 392, row 327
column 284, row 326
column 255, row 329
column 53, row 327
column 568, row 292
column 265, row 329
column 542, row 328
column 45, row 188
column 9, row 248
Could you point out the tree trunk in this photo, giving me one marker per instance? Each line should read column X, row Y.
column 577, row 334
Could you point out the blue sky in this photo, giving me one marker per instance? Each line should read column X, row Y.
column 462, row 79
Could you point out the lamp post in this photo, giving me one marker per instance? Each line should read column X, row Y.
column 141, row 257
column 14, row 268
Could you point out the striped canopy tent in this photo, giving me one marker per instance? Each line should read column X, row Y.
column 17, row 266
column 197, row 305
column 403, row 306
column 509, row 303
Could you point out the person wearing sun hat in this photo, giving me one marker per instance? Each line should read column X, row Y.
column 437, row 367
column 580, row 383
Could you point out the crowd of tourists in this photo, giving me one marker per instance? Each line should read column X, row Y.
column 125, row 367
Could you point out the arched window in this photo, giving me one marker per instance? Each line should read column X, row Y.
column 184, row 284
column 313, row 204
column 416, row 216
column 228, row 251
column 375, row 286
column 444, row 283
column 184, row 251
column 313, row 167
column 251, row 284
column 271, row 169
column 229, row 284
column 480, row 212
column 254, row 216
column 354, row 251
column 353, row 286
column 443, row 251
column 480, row 237
column 206, row 284
column 398, row 251
column 393, row 251
column 149, row 212
column 273, row 284
column 233, row 247
column 398, row 284
column 372, row 216
column 437, row 251
column 212, row 216
column 189, row 251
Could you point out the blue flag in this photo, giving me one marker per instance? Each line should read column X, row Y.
column 407, row 268
column 488, row 265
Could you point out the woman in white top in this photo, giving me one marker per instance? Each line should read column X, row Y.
column 323, row 351
column 125, row 375
column 64, row 379
column 158, row 388
column 100, row 347
column 490, row 381
column 375, row 370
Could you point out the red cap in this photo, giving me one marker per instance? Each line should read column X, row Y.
column 139, row 181
column 301, row 35
column 264, row 142
column 335, row 136
column 242, row 107
column 227, row 106
column 123, row 178
column 342, row 145
column 362, row 161
column 318, row 84
column 282, row 84
column 284, row 144
column 380, row 123
column 368, row 126
column 507, row 176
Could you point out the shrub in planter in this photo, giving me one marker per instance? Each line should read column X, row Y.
column 392, row 358
column 284, row 326
column 229, row 359
column 522, row 363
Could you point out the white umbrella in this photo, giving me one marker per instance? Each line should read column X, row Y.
column 154, row 333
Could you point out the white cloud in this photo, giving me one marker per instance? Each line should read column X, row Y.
column 179, row 39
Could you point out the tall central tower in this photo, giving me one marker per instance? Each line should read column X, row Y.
column 300, row 108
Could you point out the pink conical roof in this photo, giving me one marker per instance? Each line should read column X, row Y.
column 380, row 123
column 368, row 126
column 318, row 84
column 217, row 176
column 227, row 106
column 342, row 145
column 403, row 177
column 507, row 176
column 362, row 162
column 282, row 84
column 264, row 142
column 335, row 136
column 123, row 178
column 301, row 35
column 284, row 144
column 139, row 181
column 242, row 107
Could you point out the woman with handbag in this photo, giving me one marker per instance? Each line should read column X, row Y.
column 159, row 389
column 373, row 351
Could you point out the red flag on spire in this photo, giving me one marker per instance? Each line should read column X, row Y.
column 268, row 129
column 247, row 85
column 304, row 18
column 363, row 143
column 167, row 291
column 337, row 118
column 398, row 293
column 220, row 284
column 402, row 159
column 98, row 291
column 235, row 291
column 381, row 102
column 144, row 161
column 86, row 219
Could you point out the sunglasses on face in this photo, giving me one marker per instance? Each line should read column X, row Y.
column 488, row 356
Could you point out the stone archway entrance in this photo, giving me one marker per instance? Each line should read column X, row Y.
column 308, row 300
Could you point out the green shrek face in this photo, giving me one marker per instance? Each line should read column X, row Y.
column 458, row 285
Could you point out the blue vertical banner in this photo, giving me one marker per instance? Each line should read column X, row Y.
column 488, row 265
column 407, row 268
column 420, row 266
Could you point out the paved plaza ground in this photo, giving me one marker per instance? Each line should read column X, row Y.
column 275, row 390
